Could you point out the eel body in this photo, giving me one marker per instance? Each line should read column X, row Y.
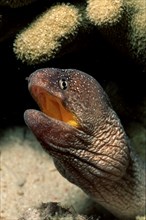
column 77, row 126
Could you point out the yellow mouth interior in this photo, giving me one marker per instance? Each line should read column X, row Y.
column 52, row 106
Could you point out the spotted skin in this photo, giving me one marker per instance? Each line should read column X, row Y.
column 94, row 152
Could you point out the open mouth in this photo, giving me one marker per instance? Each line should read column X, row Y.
column 52, row 106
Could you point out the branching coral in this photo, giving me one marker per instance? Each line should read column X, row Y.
column 129, row 15
column 42, row 39
column 122, row 22
column 137, row 29
column 104, row 12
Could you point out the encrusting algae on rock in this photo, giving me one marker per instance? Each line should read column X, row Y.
column 43, row 38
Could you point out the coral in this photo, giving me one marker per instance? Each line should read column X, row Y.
column 137, row 29
column 129, row 16
column 141, row 218
column 104, row 12
column 15, row 3
column 42, row 39
column 121, row 22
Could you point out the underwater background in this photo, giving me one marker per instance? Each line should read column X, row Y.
column 28, row 176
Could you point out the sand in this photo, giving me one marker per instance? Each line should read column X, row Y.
column 28, row 178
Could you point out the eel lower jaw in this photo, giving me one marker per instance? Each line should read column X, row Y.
column 49, row 130
column 36, row 118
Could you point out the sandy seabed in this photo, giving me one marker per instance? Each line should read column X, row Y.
column 28, row 177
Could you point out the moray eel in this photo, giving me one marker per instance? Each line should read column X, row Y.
column 79, row 129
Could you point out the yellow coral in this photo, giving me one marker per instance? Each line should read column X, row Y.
column 104, row 12
column 129, row 15
column 42, row 39
column 122, row 22
column 137, row 28
column 15, row 3
column 141, row 217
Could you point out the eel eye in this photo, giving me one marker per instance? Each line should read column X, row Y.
column 63, row 84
